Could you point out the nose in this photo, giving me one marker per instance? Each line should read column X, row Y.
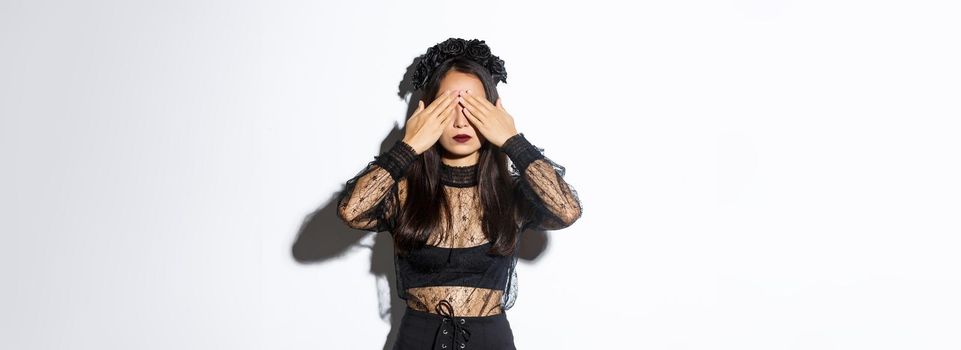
column 460, row 121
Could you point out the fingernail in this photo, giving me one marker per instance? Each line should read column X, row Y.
column 468, row 91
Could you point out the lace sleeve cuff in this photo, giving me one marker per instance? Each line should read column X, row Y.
column 521, row 151
column 397, row 160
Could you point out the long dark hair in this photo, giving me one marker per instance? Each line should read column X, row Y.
column 425, row 200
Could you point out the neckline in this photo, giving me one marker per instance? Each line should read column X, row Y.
column 485, row 244
column 458, row 176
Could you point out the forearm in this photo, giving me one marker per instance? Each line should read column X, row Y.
column 543, row 183
column 358, row 204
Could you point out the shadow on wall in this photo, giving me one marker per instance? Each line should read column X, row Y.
column 323, row 236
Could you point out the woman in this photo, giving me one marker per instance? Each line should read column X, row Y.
column 454, row 207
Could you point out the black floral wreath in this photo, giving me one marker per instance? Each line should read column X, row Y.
column 473, row 49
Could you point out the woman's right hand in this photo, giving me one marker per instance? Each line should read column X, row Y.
column 425, row 126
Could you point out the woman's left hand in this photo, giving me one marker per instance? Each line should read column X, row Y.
column 492, row 121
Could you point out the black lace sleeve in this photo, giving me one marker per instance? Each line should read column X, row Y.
column 541, row 180
column 370, row 199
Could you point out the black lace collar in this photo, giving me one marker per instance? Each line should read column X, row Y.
column 458, row 176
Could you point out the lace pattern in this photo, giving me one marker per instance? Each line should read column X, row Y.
column 370, row 199
column 465, row 301
column 373, row 196
column 556, row 203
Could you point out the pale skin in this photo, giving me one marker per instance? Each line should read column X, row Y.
column 460, row 107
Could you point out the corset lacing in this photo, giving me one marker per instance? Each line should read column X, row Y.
column 459, row 326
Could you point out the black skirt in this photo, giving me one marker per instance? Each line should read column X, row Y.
column 420, row 330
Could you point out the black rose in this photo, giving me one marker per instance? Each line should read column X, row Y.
column 474, row 49
column 421, row 74
column 453, row 46
column 479, row 51
column 497, row 69
column 434, row 56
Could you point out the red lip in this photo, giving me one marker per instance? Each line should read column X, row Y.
column 462, row 138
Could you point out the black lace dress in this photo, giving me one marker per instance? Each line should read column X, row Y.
column 453, row 268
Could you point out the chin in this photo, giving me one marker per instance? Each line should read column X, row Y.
column 462, row 149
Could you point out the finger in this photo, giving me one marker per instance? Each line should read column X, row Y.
column 448, row 104
column 448, row 117
column 479, row 112
column 454, row 95
column 480, row 101
column 440, row 101
column 446, row 113
column 473, row 105
column 420, row 106
column 499, row 104
column 473, row 118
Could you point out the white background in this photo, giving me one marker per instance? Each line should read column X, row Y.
column 754, row 174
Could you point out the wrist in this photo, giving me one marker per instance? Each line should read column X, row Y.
column 508, row 138
column 397, row 159
column 413, row 145
column 521, row 151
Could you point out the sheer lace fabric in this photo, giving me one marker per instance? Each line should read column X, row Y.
column 454, row 265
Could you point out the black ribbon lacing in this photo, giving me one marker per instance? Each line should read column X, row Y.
column 460, row 330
